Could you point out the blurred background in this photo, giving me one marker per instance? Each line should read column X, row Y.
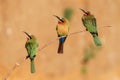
column 36, row 17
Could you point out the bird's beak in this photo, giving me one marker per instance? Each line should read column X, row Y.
column 84, row 11
column 58, row 18
column 27, row 34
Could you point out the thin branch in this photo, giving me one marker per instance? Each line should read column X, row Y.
column 20, row 61
column 52, row 41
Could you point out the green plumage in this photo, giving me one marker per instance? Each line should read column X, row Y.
column 96, row 40
column 89, row 22
column 32, row 48
column 32, row 66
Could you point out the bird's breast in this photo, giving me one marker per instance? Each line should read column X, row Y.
column 62, row 30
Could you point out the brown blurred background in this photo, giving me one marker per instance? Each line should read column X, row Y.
column 36, row 17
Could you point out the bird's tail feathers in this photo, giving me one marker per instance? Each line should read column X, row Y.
column 61, row 44
column 32, row 66
column 97, row 40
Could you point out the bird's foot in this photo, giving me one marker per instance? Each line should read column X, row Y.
column 27, row 57
column 86, row 29
column 34, row 56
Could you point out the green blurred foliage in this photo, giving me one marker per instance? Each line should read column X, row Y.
column 89, row 53
column 68, row 12
column 84, row 70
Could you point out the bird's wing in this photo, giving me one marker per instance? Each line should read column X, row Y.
column 28, row 46
column 32, row 47
column 57, row 31
column 94, row 24
column 90, row 23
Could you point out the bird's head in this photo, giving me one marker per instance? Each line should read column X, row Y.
column 28, row 36
column 86, row 13
column 33, row 37
column 61, row 20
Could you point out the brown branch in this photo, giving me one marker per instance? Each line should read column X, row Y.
column 20, row 61
column 52, row 41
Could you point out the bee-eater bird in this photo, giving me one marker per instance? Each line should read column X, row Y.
column 89, row 21
column 32, row 48
column 62, row 29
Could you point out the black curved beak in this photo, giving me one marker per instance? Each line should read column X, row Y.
column 27, row 34
column 58, row 18
column 84, row 11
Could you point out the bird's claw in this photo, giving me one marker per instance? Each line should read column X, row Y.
column 27, row 57
column 86, row 29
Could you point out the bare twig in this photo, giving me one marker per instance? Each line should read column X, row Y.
column 107, row 26
column 20, row 61
column 52, row 41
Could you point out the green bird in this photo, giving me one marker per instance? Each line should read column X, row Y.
column 62, row 29
column 31, row 46
column 89, row 21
